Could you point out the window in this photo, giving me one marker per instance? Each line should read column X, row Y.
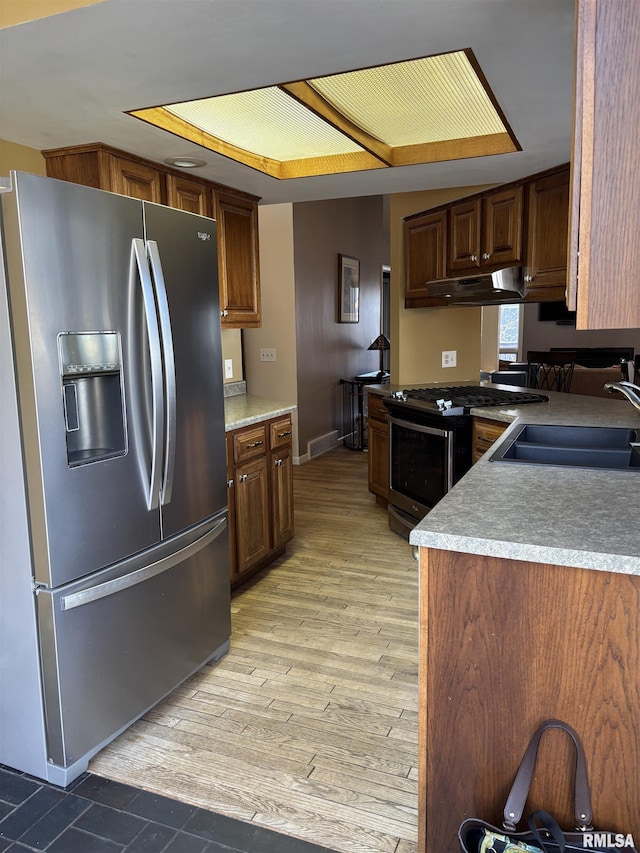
column 510, row 324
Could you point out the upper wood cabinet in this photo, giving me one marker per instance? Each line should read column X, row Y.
column 604, row 256
column 238, row 261
column 547, row 235
column 134, row 179
column 425, row 257
column 524, row 223
column 186, row 194
column 486, row 232
column 107, row 168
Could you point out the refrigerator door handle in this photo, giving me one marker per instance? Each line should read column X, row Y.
column 102, row 590
column 157, row 400
column 169, row 371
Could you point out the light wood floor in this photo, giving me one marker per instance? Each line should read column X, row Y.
column 309, row 725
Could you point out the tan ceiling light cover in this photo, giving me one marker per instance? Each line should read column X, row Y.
column 418, row 111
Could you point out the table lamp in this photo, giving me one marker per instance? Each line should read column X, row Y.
column 381, row 343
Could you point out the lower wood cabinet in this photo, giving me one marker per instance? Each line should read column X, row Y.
column 504, row 645
column 484, row 433
column 260, row 484
column 378, row 457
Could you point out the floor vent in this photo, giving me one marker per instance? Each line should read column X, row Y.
column 320, row 445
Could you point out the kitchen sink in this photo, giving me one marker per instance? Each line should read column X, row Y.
column 572, row 446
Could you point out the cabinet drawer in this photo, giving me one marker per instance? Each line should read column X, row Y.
column 249, row 443
column 485, row 433
column 377, row 409
column 280, row 433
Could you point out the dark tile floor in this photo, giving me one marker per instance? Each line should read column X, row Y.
column 95, row 815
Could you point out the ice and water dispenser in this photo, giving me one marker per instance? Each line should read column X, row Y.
column 91, row 368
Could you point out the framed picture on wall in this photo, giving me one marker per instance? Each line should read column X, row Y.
column 348, row 289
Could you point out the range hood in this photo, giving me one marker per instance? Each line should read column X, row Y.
column 499, row 287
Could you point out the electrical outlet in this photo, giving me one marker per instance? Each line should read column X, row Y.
column 228, row 368
column 449, row 358
column 267, row 355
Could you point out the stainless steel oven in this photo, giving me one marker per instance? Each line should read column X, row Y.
column 430, row 443
column 425, row 460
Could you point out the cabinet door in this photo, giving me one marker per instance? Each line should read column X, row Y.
column 252, row 513
column 378, row 458
column 606, row 167
column 281, row 496
column 464, row 236
column 425, row 257
column 134, row 179
column 189, row 195
column 238, row 261
column 231, row 501
column 548, row 229
column 502, row 225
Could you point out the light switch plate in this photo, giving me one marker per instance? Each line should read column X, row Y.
column 267, row 354
column 228, row 368
column 449, row 358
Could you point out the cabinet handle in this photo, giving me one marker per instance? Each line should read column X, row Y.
column 278, row 463
column 229, row 483
column 255, row 444
column 528, row 278
column 282, row 434
column 486, row 256
column 474, row 258
column 224, row 313
column 243, row 477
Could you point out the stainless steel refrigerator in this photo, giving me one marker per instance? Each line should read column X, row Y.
column 114, row 576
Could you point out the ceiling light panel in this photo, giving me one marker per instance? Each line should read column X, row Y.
column 420, row 101
column 418, row 111
column 266, row 122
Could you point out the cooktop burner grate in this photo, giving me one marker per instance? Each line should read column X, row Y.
column 470, row 396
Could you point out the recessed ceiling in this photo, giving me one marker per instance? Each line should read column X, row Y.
column 405, row 113
column 69, row 79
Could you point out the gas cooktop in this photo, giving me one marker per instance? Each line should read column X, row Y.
column 460, row 399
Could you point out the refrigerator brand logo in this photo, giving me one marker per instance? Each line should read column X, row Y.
column 203, row 235
column 598, row 840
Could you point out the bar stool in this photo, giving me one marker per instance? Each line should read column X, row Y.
column 550, row 370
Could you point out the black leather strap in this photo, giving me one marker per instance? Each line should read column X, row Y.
column 551, row 828
column 522, row 783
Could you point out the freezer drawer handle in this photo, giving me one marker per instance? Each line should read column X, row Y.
column 151, row 319
column 169, row 371
column 102, row 590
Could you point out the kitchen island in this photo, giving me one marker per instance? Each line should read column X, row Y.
column 529, row 609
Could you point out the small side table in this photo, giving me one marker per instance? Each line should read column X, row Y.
column 354, row 419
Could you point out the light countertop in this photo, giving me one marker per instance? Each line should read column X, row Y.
column 246, row 409
column 584, row 517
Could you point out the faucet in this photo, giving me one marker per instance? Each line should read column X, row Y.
column 630, row 391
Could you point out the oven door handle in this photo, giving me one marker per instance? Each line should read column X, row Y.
column 420, row 427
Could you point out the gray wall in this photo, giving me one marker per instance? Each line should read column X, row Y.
column 327, row 350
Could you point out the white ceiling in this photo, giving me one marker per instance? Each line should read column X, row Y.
column 68, row 79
